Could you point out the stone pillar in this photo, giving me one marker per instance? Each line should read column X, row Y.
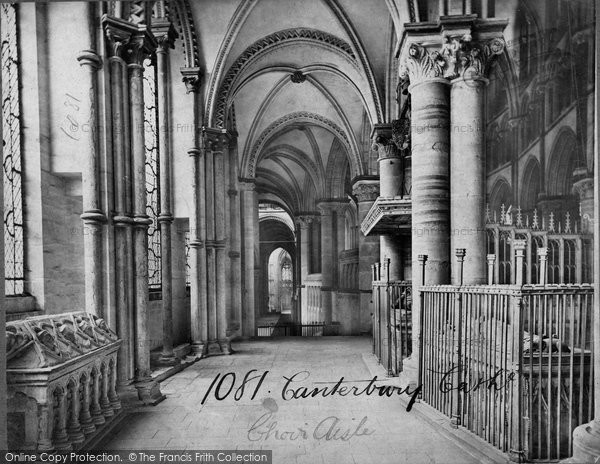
column 249, row 229
column 92, row 216
column 141, row 44
column 197, row 221
column 165, row 35
column 117, row 37
column 467, row 153
column 430, row 193
column 302, row 230
column 235, row 262
column 366, row 191
column 327, row 245
column 391, row 184
column 586, row 437
column 218, row 341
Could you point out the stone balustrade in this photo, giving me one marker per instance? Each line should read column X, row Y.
column 61, row 375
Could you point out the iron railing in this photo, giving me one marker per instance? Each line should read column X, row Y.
column 392, row 321
column 513, row 364
column 316, row 329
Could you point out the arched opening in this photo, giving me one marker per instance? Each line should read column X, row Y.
column 277, row 297
column 281, row 282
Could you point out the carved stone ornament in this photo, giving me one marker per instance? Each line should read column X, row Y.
column 51, row 340
column 297, row 77
column 366, row 191
column 469, row 59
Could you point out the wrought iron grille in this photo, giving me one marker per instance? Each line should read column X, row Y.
column 12, row 169
column 152, row 175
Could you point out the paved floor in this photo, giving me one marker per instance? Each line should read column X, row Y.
column 334, row 429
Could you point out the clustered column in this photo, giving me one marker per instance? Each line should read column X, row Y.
column 129, row 45
column 165, row 35
column 448, row 182
column 197, row 213
column 366, row 192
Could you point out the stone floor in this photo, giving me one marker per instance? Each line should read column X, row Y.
column 298, row 431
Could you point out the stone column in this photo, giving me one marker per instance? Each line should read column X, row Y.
column 141, row 44
column 197, row 221
column 366, row 192
column 303, row 256
column 92, row 216
column 165, row 35
column 467, row 153
column 235, row 237
column 430, row 106
column 249, row 229
column 327, row 250
column 117, row 37
column 218, row 341
column 391, row 184
column 586, row 437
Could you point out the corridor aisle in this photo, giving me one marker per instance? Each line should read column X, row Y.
column 388, row 434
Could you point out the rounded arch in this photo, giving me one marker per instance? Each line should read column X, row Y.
column 531, row 183
column 500, row 194
column 564, row 158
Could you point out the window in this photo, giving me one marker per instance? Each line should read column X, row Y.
column 152, row 174
column 14, row 233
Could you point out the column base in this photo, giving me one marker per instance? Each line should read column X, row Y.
column 199, row 349
column 586, row 444
column 149, row 392
column 409, row 376
column 167, row 360
column 217, row 347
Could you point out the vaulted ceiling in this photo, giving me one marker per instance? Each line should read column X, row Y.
column 302, row 83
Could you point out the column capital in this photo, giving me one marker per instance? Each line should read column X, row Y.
column 584, row 184
column 304, row 220
column 140, row 46
column 215, row 139
column 455, row 47
column 366, row 190
column 192, row 78
column 384, row 142
column 118, row 33
column 470, row 59
column 246, row 184
column 332, row 205
column 165, row 34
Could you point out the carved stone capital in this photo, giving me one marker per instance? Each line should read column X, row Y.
column 192, row 78
column 458, row 57
column 165, row 34
column 383, row 142
column 140, row 46
column 583, row 185
column 366, row 190
column 470, row 59
column 421, row 64
column 215, row 139
column 303, row 220
column 118, row 33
